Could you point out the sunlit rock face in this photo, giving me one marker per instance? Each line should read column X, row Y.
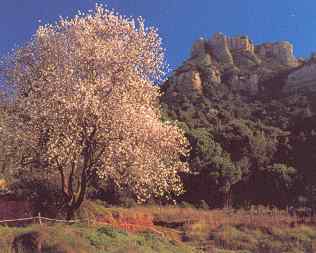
column 281, row 52
column 240, row 65
column 190, row 80
column 219, row 48
column 241, row 43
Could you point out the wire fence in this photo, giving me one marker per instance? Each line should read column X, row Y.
column 124, row 226
column 39, row 219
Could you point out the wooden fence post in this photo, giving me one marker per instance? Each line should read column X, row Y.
column 88, row 218
column 39, row 218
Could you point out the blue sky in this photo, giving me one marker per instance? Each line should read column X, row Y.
column 180, row 22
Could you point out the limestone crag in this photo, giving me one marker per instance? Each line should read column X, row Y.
column 303, row 78
column 246, row 83
column 241, row 43
column 186, row 81
column 279, row 51
column 198, row 48
column 241, row 66
column 220, row 49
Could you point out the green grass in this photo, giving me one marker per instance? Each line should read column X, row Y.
column 83, row 239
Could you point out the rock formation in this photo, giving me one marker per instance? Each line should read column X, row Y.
column 279, row 51
column 198, row 48
column 220, row 50
column 239, row 64
column 303, row 78
column 241, row 43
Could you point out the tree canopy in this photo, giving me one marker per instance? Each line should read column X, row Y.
column 85, row 106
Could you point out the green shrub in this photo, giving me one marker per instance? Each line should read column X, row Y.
column 110, row 231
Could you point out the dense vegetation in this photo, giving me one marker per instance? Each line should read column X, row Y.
column 247, row 149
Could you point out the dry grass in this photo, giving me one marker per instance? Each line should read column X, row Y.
column 259, row 216
column 257, row 230
column 191, row 222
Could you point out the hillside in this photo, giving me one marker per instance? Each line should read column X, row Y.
column 149, row 229
column 249, row 113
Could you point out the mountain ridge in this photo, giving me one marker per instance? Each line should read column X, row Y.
column 241, row 65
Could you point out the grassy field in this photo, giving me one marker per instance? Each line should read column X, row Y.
column 83, row 239
column 166, row 229
column 260, row 230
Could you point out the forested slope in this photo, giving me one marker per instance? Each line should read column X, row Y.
column 249, row 114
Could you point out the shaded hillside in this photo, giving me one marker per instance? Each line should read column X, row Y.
column 249, row 113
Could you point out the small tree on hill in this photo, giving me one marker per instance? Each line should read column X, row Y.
column 86, row 106
column 214, row 163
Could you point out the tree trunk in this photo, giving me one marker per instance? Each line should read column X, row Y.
column 70, row 213
column 228, row 199
column 72, row 199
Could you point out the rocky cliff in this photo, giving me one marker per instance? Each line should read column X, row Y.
column 239, row 64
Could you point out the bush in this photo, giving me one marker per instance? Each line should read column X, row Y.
column 45, row 195
column 185, row 204
column 203, row 205
column 110, row 231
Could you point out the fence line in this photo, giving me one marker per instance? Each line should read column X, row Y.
column 123, row 225
column 40, row 218
column 20, row 219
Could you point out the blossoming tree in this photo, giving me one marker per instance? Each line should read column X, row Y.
column 86, row 106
